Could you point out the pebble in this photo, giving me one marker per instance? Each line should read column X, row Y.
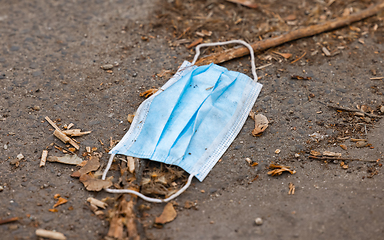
column 107, row 67
column 1, row 188
column 36, row 108
column 20, row 156
column 259, row 221
column 5, row 146
column 134, row 75
column 361, row 144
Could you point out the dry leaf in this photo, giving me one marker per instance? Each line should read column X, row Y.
column 148, row 92
column 168, row 215
column 130, row 118
column 131, row 164
column 116, row 227
column 261, row 123
column 53, row 210
column 93, row 184
column 67, row 159
column 60, row 201
column 315, row 153
column 278, row 170
column 343, row 146
column 300, row 77
column 97, row 202
column 92, row 165
column 284, row 55
column 246, row 3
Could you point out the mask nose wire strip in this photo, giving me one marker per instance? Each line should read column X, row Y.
column 154, row 200
column 225, row 43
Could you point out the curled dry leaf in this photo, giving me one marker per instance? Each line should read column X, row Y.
column 168, row 215
column 278, row 170
column 261, row 123
column 94, row 184
column 148, row 92
column 60, row 201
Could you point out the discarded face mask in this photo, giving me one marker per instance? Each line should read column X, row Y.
column 192, row 120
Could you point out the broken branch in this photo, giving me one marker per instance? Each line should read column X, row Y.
column 233, row 53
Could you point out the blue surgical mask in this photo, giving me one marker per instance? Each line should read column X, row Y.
column 192, row 120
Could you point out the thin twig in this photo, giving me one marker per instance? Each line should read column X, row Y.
column 353, row 110
column 340, row 158
column 233, row 53
column 8, row 220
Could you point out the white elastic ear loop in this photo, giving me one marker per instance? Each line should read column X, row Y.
column 225, row 43
column 154, row 200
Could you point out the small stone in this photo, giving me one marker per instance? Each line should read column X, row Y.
column 15, row 48
column 277, row 151
column 107, row 67
column 134, row 75
column 5, row 146
column 20, row 156
column 343, row 146
column 361, row 144
column 259, row 221
column 1, row 188
column 36, row 108
column 382, row 109
column 297, row 155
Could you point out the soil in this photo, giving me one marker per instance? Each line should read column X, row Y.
column 50, row 58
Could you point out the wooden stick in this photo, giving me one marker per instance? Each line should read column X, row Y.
column 8, row 220
column 52, row 123
column 65, row 139
column 43, row 158
column 232, row 53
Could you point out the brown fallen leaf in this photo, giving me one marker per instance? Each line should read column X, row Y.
column 278, row 170
column 148, row 92
column 261, row 123
column 116, row 227
column 315, row 153
column 53, row 210
column 92, row 165
column 300, row 77
column 247, row 3
column 284, row 55
column 130, row 118
column 60, row 201
column 94, row 184
column 67, row 159
column 168, row 215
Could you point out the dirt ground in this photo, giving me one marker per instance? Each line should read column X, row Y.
column 50, row 58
